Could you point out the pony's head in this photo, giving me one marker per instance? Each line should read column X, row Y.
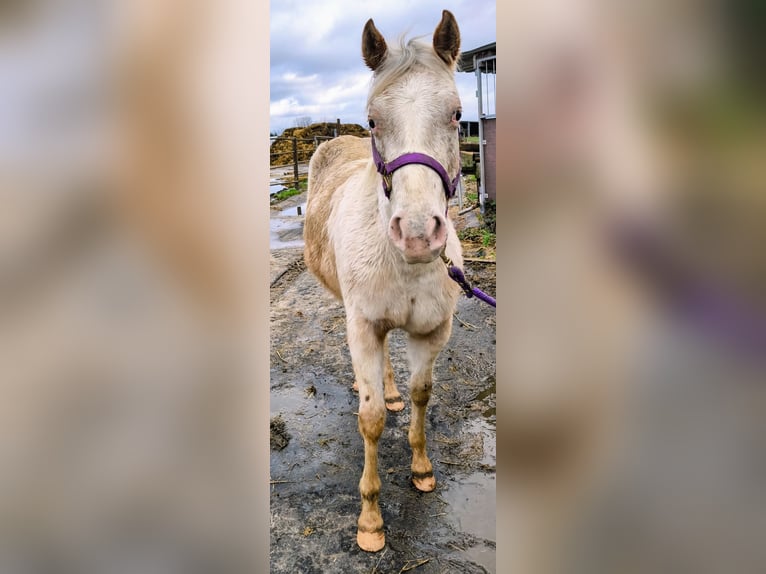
column 414, row 108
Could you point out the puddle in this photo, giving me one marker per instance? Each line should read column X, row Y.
column 285, row 403
column 485, row 556
column 486, row 429
column 472, row 498
column 472, row 501
column 490, row 412
column 294, row 210
column 285, row 233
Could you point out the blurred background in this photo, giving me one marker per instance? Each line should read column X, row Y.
column 632, row 287
column 132, row 334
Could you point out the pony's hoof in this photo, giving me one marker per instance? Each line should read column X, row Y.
column 370, row 541
column 395, row 404
column 425, row 482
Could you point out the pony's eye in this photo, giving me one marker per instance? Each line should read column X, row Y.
column 457, row 115
column 371, row 123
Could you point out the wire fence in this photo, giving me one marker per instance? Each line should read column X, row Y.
column 291, row 155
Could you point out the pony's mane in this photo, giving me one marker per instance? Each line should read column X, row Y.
column 401, row 59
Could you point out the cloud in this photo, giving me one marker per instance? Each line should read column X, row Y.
column 315, row 52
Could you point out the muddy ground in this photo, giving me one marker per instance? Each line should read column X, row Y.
column 317, row 452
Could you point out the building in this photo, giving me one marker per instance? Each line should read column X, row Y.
column 482, row 62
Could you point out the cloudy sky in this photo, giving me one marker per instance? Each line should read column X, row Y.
column 316, row 63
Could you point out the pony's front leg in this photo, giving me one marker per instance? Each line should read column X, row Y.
column 394, row 401
column 366, row 346
column 422, row 352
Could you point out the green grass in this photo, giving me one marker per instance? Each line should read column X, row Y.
column 285, row 193
column 478, row 234
column 487, row 237
column 290, row 191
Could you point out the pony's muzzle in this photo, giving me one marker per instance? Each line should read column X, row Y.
column 419, row 242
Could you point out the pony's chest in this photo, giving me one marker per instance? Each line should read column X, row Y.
column 417, row 306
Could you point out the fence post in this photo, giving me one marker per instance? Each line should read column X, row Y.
column 295, row 162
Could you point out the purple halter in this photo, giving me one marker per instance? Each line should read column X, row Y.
column 387, row 169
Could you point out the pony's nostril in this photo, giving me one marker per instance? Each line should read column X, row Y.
column 437, row 231
column 396, row 228
column 432, row 225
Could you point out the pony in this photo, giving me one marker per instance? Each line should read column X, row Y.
column 376, row 229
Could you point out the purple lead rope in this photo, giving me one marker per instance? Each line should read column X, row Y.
column 456, row 274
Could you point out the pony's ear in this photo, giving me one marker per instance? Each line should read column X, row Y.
column 447, row 38
column 373, row 45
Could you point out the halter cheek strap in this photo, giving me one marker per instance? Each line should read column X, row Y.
column 387, row 169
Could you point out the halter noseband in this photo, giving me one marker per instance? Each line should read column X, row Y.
column 387, row 169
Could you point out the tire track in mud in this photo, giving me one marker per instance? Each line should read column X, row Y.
column 285, row 278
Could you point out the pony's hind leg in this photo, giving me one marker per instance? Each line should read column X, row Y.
column 394, row 401
column 422, row 353
column 366, row 348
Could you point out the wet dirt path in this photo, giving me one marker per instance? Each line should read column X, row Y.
column 317, row 452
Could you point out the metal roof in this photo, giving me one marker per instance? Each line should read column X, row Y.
column 468, row 58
